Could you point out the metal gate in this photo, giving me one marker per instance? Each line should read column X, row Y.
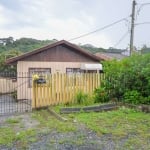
column 14, row 95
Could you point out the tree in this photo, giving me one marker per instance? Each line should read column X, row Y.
column 6, row 55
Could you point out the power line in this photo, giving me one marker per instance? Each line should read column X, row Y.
column 121, row 39
column 99, row 29
column 142, row 23
column 140, row 8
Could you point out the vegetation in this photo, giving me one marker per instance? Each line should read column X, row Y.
column 125, row 124
column 93, row 49
column 128, row 80
column 51, row 123
column 4, row 56
column 145, row 49
column 13, row 133
column 24, row 44
column 82, row 98
column 100, row 95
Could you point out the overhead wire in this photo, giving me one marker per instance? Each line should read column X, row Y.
column 99, row 29
column 142, row 23
column 141, row 5
column 112, row 24
column 121, row 39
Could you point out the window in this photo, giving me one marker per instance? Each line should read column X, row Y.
column 73, row 70
column 40, row 71
column 90, row 71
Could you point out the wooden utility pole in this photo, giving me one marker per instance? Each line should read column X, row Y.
column 132, row 27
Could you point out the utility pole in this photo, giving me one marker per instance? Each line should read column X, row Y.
column 132, row 27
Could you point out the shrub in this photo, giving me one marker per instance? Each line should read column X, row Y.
column 100, row 95
column 128, row 78
column 145, row 100
column 132, row 97
column 82, row 98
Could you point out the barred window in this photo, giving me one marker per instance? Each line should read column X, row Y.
column 73, row 70
column 39, row 71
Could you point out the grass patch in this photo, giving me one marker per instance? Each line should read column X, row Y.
column 8, row 136
column 121, row 124
column 13, row 121
column 51, row 123
column 12, row 131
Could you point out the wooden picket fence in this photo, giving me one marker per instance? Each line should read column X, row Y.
column 62, row 88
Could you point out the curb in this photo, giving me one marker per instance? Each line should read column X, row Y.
column 100, row 108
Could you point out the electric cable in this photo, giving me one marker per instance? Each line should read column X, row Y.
column 121, row 39
column 99, row 29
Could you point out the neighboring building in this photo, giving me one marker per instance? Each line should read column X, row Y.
column 111, row 56
column 62, row 57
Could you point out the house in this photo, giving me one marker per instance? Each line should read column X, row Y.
column 61, row 56
column 110, row 56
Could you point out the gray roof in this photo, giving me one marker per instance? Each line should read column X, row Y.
column 110, row 56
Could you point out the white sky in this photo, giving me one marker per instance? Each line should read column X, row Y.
column 66, row 19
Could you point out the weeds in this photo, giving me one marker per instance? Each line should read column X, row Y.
column 13, row 121
column 47, row 121
column 119, row 124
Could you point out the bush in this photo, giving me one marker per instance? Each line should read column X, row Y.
column 82, row 98
column 128, row 79
column 132, row 97
column 145, row 100
column 100, row 95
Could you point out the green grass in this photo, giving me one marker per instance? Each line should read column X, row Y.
column 12, row 131
column 13, row 121
column 8, row 135
column 51, row 123
column 121, row 124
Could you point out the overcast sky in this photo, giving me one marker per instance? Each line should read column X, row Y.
column 67, row 19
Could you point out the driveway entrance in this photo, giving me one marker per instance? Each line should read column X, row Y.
column 8, row 105
column 10, row 102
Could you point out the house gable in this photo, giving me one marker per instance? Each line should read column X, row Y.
column 61, row 51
